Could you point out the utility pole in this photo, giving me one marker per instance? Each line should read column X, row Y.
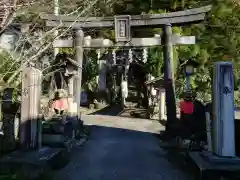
column 56, row 13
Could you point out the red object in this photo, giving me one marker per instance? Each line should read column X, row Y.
column 187, row 107
column 61, row 104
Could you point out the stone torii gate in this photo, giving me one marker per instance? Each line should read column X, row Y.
column 122, row 25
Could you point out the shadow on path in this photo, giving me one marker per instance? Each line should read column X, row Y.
column 113, row 110
column 116, row 110
column 120, row 154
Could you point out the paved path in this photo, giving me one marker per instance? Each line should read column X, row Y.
column 113, row 153
column 137, row 124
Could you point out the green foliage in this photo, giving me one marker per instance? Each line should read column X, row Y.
column 90, row 71
column 218, row 39
column 7, row 65
column 91, row 65
column 69, row 51
column 155, row 61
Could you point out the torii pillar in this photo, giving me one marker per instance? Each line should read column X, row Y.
column 169, row 77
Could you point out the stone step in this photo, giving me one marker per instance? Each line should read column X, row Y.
column 135, row 112
column 34, row 164
column 133, row 100
column 131, row 104
column 59, row 141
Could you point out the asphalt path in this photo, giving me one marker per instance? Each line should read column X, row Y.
column 121, row 149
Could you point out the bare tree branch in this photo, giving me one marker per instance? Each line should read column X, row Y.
column 40, row 42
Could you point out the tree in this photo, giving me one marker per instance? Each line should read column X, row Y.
column 37, row 35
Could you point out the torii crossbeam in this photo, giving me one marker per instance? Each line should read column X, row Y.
column 180, row 17
column 135, row 42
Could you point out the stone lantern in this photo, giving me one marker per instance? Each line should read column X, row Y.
column 189, row 71
column 157, row 107
column 9, row 110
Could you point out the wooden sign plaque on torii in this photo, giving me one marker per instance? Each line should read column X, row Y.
column 122, row 25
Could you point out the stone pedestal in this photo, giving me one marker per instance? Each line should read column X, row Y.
column 210, row 165
column 34, row 164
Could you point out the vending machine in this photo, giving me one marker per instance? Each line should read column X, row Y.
column 223, row 131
